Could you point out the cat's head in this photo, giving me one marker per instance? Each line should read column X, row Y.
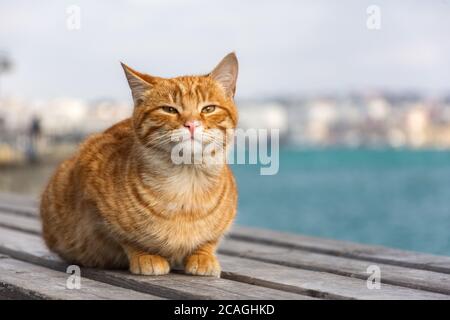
column 191, row 111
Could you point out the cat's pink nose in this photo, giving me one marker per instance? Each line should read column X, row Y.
column 191, row 125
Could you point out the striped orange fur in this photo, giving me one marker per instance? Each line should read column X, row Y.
column 121, row 202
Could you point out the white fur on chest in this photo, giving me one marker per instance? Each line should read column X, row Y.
column 185, row 190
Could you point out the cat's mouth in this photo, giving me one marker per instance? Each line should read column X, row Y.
column 200, row 147
column 200, row 136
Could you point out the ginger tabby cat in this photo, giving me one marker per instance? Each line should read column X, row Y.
column 121, row 202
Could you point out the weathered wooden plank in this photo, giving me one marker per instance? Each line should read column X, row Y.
column 400, row 276
column 24, row 280
column 20, row 222
column 390, row 274
column 30, row 248
column 19, row 209
column 206, row 287
column 372, row 253
column 344, row 249
column 317, row 284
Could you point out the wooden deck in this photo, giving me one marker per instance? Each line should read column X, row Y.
column 257, row 264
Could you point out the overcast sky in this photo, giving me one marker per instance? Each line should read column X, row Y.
column 284, row 47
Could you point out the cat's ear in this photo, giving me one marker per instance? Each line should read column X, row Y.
column 139, row 83
column 226, row 73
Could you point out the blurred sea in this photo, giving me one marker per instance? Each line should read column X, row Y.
column 397, row 198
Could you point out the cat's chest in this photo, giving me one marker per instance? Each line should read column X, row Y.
column 189, row 211
column 186, row 192
column 175, row 238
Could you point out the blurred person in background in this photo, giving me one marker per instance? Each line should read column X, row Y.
column 34, row 134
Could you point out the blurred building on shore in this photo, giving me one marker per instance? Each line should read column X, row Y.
column 377, row 120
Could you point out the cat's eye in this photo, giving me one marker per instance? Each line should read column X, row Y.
column 208, row 109
column 169, row 109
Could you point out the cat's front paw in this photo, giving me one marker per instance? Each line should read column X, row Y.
column 148, row 264
column 202, row 265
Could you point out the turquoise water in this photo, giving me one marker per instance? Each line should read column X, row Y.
column 397, row 198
